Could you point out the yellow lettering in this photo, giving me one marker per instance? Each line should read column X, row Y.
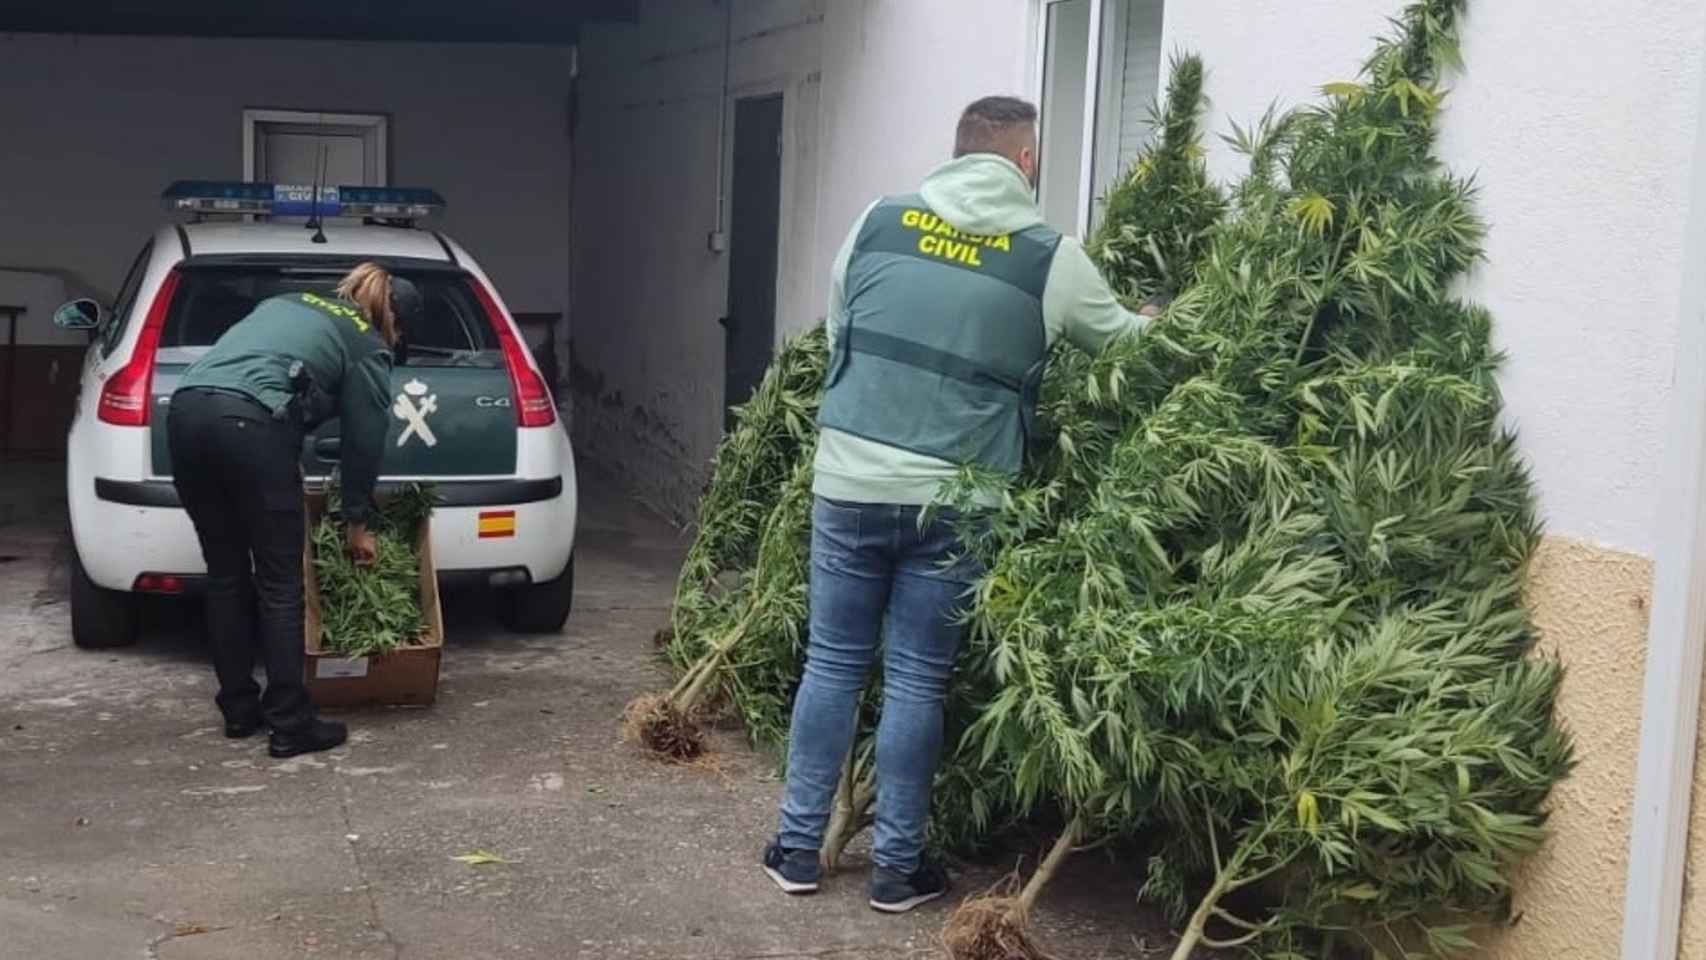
column 928, row 221
column 1004, row 243
column 937, row 246
column 337, row 309
column 910, row 219
column 946, row 229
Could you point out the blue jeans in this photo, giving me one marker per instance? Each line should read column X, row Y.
column 873, row 571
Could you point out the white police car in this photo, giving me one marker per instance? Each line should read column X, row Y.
column 471, row 413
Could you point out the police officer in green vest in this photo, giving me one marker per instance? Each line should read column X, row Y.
column 237, row 422
column 942, row 309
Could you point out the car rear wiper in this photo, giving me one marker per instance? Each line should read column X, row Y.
column 405, row 350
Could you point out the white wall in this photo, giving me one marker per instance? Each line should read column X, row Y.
column 92, row 128
column 40, row 294
column 872, row 90
column 1576, row 118
column 647, row 365
column 896, row 74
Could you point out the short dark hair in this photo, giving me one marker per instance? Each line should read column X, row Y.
column 989, row 125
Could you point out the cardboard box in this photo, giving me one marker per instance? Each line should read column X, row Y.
column 407, row 676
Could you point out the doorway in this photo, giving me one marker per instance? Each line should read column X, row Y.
column 756, row 206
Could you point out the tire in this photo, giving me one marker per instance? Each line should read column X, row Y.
column 101, row 619
column 539, row 607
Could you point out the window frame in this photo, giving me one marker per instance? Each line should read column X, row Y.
column 118, row 316
column 375, row 128
column 1092, row 99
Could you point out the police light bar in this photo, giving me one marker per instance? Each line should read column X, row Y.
column 297, row 200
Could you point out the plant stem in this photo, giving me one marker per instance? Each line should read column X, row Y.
column 1046, row 870
column 687, row 691
column 852, row 798
column 842, row 812
column 1199, row 919
column 1226, row 880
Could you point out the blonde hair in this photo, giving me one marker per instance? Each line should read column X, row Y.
column 368, row 286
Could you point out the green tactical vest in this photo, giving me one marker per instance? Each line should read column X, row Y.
column 944, row 345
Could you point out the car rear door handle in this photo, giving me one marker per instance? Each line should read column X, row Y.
column 328, row 449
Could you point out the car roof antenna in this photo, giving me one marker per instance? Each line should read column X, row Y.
column 314, row 223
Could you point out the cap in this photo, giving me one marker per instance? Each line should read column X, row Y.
column 406, row 301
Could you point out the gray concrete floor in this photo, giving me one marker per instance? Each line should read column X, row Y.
column 129, row 827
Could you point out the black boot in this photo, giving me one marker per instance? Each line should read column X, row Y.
column 313, row 737
column 238, row 729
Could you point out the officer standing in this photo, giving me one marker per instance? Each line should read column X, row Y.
column 235, row 430
column 943, row 308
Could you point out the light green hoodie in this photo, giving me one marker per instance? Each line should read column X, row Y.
column 986, row 195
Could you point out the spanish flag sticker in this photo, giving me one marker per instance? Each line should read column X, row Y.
column 497, row 523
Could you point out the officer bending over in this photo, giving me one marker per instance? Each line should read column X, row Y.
column 236, row 428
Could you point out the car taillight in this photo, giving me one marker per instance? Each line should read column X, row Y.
column 533, row 404
column 158, row 583
column 125, row 397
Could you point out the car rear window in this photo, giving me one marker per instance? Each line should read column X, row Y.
column 454, row 330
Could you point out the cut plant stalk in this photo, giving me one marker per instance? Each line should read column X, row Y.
column 1229, row 877
column 993, row 927
column 854, row 796
column 773, row 602
column 667, row 725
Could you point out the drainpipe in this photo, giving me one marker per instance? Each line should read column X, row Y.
column 562, row 347
column 718, row 241
column 1676, row 632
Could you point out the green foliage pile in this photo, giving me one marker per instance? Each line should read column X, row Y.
column 740, row 599
column 1258, row 593
column 376, row 609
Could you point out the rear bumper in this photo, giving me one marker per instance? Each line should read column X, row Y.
column 129, row 528
column 195, row 585
column 452, row 493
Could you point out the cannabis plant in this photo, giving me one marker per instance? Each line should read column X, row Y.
column 740, row 607
column 1258, row 591
column 1290, row 633
column 375, row 609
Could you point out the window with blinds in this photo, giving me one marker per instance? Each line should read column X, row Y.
column 1106, row 116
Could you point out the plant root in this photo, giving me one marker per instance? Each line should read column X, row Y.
column 669, row 734
column 986, row 928
column 990, row 927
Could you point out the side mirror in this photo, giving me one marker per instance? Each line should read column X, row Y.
column 82, row 314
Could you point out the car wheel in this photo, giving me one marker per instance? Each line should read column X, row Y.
column 539, row 607
column 100, row 618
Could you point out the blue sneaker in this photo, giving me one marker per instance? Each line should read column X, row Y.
column 795, row 871
column 893, row 893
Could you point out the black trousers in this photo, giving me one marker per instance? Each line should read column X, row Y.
column 238, row 473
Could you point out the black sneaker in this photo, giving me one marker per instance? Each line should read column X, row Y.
column 795, row 871
column 893, row 893
column 317, row 735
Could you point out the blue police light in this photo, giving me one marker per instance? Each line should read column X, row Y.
column 383, row 202
column 297, row 200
